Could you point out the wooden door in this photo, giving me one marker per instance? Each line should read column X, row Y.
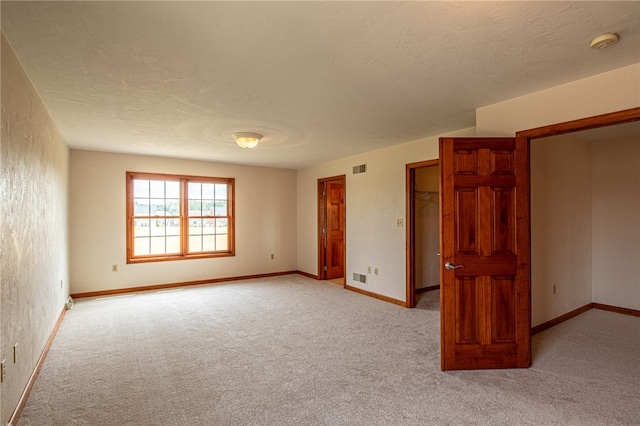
column 335, row 229
column 485, row 290
column 331, row 195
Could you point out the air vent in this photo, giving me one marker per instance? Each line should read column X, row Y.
column 360, row 278
column 362, row 168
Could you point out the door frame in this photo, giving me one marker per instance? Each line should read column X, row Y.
column 603, row 120
column 410, row 249
column 322, row 199
column 578, row 125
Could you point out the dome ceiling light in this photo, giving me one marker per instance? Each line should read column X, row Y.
column 247, row 139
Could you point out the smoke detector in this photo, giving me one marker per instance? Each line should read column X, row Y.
column 604, row 40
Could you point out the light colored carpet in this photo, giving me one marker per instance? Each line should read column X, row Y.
column 294, row 351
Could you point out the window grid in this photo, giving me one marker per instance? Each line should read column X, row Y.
column 172, row 217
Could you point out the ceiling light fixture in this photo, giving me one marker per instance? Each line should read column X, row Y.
column 604, row 40
column 247, row 139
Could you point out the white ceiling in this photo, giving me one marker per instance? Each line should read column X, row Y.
column 321, row 80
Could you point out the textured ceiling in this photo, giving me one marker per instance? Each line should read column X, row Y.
column 321, row 80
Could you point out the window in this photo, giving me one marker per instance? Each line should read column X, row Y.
column 172, row 217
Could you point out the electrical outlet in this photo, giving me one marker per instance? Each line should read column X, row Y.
column 114, row 267
column 273, row 256
column 3, row 370
column 376, row 271
column 399, row 223
column 368, row 269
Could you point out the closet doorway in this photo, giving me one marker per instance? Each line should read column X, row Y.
column 423, row 229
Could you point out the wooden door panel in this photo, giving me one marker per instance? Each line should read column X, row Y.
column 468, row 293
column 466, row 162
column 466, row 223
column 485, row 299
column 503, row 309
column 335, row 228
column 502, row 162
column 503, row 213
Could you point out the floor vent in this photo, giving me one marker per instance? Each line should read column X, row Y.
column 362, row 168
column 360, row 278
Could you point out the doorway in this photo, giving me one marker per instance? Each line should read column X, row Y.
column 592, row 185
column 423, row 229
column 331, row 228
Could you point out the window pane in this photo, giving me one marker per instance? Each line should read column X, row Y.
column 173, row 245
column 173, row 207
column 141, row 246
column 195, row 226
column 207, row 208
column 208, row 190
column 157, row 206
column 158, row 227
column 208, row 243
column 141, row 207
column 221, row 208
column 141, row 228
column 221, row 191
column 195, row 208
column 140, row 188
column 221, row 242
column 173, row 227
column 156, row 189
column 221, row 224
column 195, row 190
column 172, row 189
column 157, row 245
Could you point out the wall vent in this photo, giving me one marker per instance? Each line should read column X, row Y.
column 362, row 168
column 360, row 278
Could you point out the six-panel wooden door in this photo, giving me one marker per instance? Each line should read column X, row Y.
column 485, row 290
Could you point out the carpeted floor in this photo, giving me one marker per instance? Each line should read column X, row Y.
column 294, row 351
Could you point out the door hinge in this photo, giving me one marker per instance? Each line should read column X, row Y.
column 325, row 268
column 324, row 230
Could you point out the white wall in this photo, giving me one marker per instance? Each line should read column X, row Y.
column 612, row 91
column 265, row 222
column 560, row 226
column 608, row 92
column 616, row 222
column 33, row 227
column 374, row 201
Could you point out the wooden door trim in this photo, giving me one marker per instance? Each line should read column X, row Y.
column 603, row 120
column 410, row 250
column 320, row 216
